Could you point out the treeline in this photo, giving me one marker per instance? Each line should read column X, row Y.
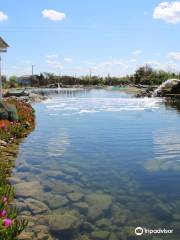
column 146, row 75
column 143, row 76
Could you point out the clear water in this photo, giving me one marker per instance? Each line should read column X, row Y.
column 106, row 145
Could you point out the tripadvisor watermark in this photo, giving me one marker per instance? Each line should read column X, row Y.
column 139, row 231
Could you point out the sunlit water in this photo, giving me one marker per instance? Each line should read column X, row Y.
column 107, row 146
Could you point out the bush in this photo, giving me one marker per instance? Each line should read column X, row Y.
column 19, row 122
column 3, row 112
column 8, row 111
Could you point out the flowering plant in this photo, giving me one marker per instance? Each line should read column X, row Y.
column 20, row 127
column 10, row 225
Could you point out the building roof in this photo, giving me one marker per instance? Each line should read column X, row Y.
column 3, row 44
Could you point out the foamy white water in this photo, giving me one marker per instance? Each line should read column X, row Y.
column 81, row 106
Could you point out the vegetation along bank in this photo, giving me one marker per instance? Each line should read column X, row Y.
column 17, row 119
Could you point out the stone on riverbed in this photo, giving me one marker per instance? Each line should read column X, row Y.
column 41, row 229
column 61, row 224
column 100, row 235
column 56, row 201
column 98, row 203
column 75, row 196
column 35, row 206
column 42, row 236
column 29, row 189
column 54, row 174
column 14, row 180
column 104, row 223
column 26, row 236
column 62, row 187
column 82, row 207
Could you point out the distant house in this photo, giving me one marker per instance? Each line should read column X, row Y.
column 28, row 80
column 3, row 45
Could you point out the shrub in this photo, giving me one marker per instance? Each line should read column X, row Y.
column 8, row 111
column 19, row 122
column 3, row 112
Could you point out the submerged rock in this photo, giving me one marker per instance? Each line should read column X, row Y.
column 26, row 236
column 62, row 187
column 83, row 237
column 104, row 223
column 29, row 189
column 41, row 229
column 113, row 236
column 35, row 206
column 98, row 203
column 120, row 215
column 100, row 235
column 56, row 201
column 62, row 222
column 54, row 174
column 82, row 207
column 75, row 196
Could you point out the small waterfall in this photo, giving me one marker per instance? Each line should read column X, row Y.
column 166, row 87
column 59, row 86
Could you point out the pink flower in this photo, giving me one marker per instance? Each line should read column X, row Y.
column 3, row 126
column 3, row 213
column 7, row 222
column 4, row 199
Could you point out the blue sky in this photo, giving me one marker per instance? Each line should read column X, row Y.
column 72, row 37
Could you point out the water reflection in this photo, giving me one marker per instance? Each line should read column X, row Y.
column 167, row 151
column 173, row 104
column 58, row 144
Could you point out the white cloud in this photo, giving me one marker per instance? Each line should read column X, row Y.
column 174, row 56
column 105, row 65
column 68, row 60
column 132, row 60
column 88, row 63
column 3, row 16
column 168, row 11
column 53, row 61
column 52, row 56
column 121, row 64
column 137, row 52
column 53, row 15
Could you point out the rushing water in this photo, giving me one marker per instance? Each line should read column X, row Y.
column 103, row 163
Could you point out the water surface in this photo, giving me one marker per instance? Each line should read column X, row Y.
column 119, row 155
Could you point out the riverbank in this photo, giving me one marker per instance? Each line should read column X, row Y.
column 16, row 122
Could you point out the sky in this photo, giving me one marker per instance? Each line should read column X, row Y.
column 75, row 37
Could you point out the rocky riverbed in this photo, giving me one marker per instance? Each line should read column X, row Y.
column 59, row 209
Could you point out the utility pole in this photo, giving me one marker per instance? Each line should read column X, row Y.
column 90, row 73
column 32, row 71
